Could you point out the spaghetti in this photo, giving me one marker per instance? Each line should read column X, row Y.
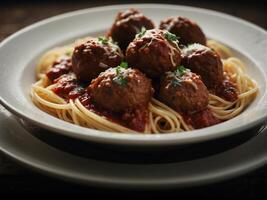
column 161, row 118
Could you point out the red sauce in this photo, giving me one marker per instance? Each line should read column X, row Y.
column 59, row 67
column 136, row 119
column 66, row 84
column 227, row 90
column 201, row 119
column 133, row 119
column 76, row 92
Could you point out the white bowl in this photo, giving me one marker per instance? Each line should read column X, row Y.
column 19, row 54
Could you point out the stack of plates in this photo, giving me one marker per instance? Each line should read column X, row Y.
column 57, row 148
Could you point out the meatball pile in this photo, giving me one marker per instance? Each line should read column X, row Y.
column 173, row 57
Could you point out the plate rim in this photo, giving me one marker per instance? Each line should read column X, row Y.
column 118, row 138
column 39, row 164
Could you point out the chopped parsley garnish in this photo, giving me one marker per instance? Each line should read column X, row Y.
column 141, row 33
column 118, row 70
column 103, row 40
column 171, row 37
column 124, row 65
column 178, row 73
column 120, row 78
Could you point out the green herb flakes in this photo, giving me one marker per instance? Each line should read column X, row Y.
column 124, row 65
column 172, row 38
column 103, row 40
column 141, row 33
column 178, row 73
column 120, row 78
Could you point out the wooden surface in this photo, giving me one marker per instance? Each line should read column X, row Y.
column 16, row 179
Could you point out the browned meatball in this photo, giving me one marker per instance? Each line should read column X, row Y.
column 154, row 52
column 119, row 89
column 183, row 91
column 127, row 24
column 94, row 56
column 187, row 30
column 204, row 62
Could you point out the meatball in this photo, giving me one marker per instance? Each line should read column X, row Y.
column 187, row 30
column 93, row 56
column 127, row 24
column 204, row 62
column 183, row 91
column 119, row 89
column 154, row 52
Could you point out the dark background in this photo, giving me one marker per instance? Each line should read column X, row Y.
column 15, row 179
column 15, row 15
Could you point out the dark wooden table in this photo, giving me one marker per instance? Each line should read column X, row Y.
column 16, row 179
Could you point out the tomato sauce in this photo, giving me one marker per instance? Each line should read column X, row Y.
column 66, row 84
column 133, row 119
column 59, row 67
column 200, row 119
column 227, row 90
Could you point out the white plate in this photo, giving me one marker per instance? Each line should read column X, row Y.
column 19, row 54
column 27, row 149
